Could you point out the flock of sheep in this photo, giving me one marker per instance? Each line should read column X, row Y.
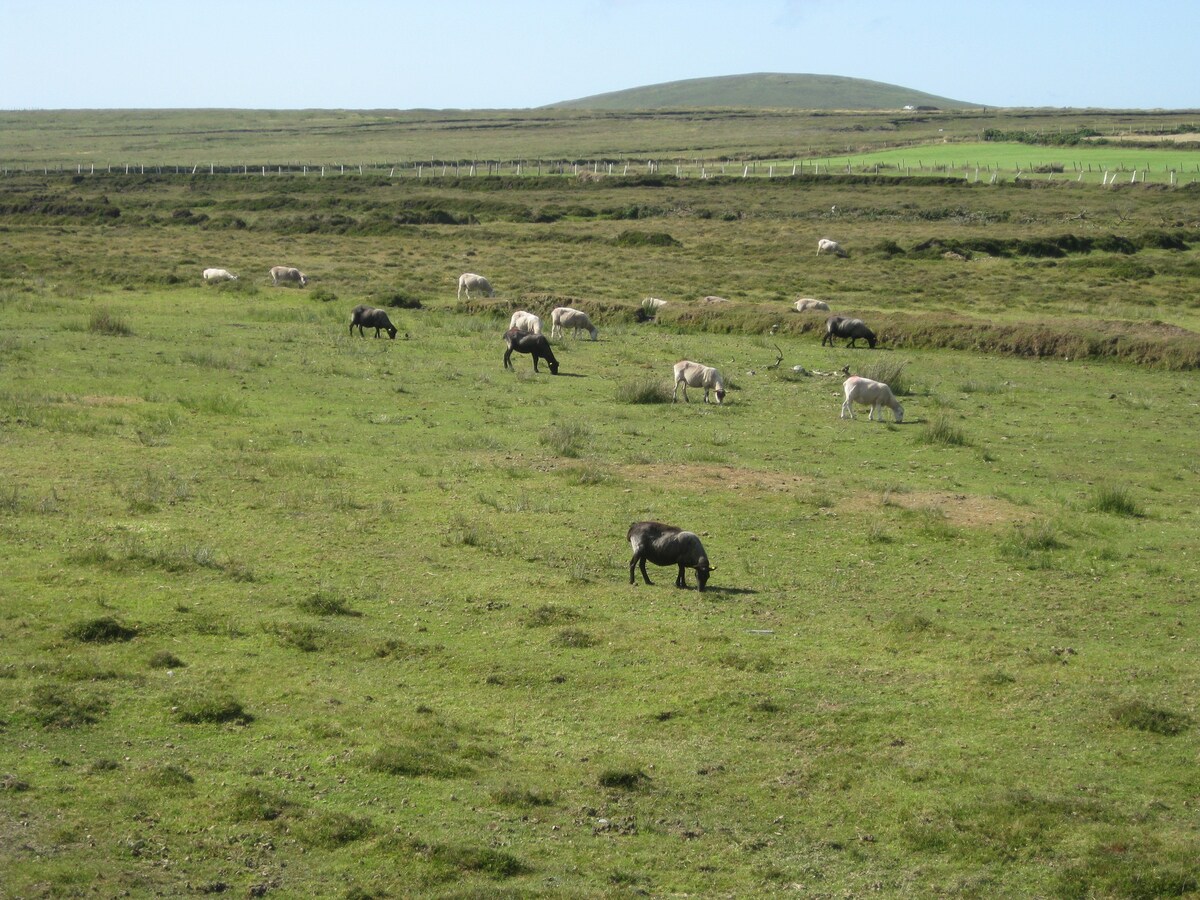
column 655, row 542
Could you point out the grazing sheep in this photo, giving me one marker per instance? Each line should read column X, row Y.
column 651, row 305
column 468, row 282
column 825, row 245
column 666, row 545
column 534, row 344
column 842, row 327
column 697, row 375
column 808, row 303
column 287, row 274
column 712, row 298
column 370, row 317
column 563, row 317
column 525, row 321
column 874, row 394
column 213, row 275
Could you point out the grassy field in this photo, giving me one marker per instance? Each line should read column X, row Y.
column 80, row 140
column 291, row 612
column 1084, row 163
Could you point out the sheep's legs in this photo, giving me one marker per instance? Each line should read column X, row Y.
column 633, row 565
column 681, row 581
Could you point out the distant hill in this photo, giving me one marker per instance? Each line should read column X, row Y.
column 765, row 90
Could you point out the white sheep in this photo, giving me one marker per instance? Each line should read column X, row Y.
column 563, row 317
column 875, row 394
column 825, row 245
column 525, row 321
column 808, row 303
column 287, row 274
column 651, row 305
column 468, row 281
column 213, row 275
column 695, row 374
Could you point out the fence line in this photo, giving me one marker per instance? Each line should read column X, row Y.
column 603, row 168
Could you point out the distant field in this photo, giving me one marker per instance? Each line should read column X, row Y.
column 78, row 140
column 1152, row 164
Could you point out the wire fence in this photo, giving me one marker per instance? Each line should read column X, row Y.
column 989, row 173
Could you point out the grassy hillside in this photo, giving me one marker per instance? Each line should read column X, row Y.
column 766, row 90
column 291, row 612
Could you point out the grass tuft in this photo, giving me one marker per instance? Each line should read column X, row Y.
column 643, row 390
column 939, row 431
column 1116, row 500
column 415, row 761
column 104, row 630
column 211, row 709
column 164, row 659
column 526, row 798
column 623, row 779
column 1142, row 716
column 567, row 439
column 573, row 638
column 325, row 603
column 104, row 321
column 57, row 706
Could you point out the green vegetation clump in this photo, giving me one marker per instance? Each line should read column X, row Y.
column 105, row 321
column 211, row 709
column 1143, row 716
column 102, row 630
column 1116, row 500
column 645, row 239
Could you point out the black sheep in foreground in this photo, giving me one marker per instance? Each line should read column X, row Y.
column 666, row 545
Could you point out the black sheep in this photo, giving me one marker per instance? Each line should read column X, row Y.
column 534, row 344
column 841, row 327
column 666, row 545
column 371, row 318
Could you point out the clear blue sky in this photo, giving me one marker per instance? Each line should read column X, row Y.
column 366, row 54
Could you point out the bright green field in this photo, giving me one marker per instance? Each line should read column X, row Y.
column 1152, row 164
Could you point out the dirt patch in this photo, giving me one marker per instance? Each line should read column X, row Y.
column 959, row 510
column 100, row 400
column 713, row 475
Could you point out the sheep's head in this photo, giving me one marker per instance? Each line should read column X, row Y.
column 898, row 411
column 553, row 368
column 702, row 570
column 392, row 333
column 720, row 396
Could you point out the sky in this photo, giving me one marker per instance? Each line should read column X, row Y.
column 470, row 54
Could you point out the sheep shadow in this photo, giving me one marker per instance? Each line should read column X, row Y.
column 571, row 375
column 732, row 591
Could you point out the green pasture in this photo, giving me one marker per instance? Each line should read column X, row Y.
column 291, row 612
column 1089, row 164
